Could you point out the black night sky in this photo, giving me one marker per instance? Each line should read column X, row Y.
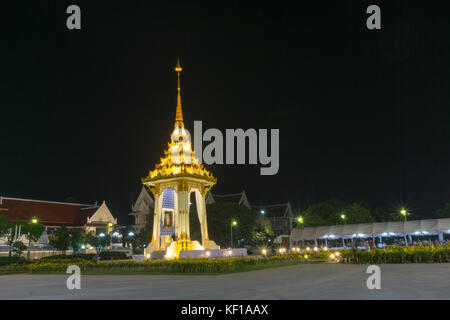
column 363, row 114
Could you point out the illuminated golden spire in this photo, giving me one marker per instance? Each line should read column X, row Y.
column 179, row 114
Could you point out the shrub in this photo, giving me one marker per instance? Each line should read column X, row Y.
column 4, row 261
column 112, row 255
column 398, row 254
column 85, row 256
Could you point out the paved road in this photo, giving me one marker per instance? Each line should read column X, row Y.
column 312, row 281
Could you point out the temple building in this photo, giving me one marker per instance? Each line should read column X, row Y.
column 172, row 181
column 281, row 217
column 141, row 209
column 238, row 198
column 91, row 218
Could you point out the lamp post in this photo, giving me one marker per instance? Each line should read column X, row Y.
column 34, row 220
column 404, row 213
column 344, row 218
column 300, row 220
column 233, row 223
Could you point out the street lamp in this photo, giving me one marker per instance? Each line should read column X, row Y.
column 343, row 217
column 300, row 220
column 262, row 212
column 403, row 212
column 233, row 223
column 34, row 220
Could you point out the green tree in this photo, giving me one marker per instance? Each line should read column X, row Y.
column 77, row 239
column 381, row 214
column 18, row 248
column 444, row 212
column 92, row 239
column 5, row 226
column 60, row 239
column 262, row 230
column 11, row 233
column 220, row 215
column 33, row 231
column 105, row 241
column 144, row 237
column 355, row 213
column 323, row 213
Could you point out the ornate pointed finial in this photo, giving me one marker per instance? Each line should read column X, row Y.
column 179, row 113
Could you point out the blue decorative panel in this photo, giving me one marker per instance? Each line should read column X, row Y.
column 168, row 199
column 168, row 202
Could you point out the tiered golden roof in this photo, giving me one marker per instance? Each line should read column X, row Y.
column 179, row 158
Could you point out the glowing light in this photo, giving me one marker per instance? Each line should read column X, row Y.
column 325, row 248
column 234, row 222
column 315, row 248
column 332, row 256
column 208, row 253
column 300, row 219
column 230, row 252
column 131, row 233
column 264, row 251
column 101, row 235
column 308, row 248
column 337, row 253
column 262, row 212
column 34, row 220
column 343, row 216
column 305, row 256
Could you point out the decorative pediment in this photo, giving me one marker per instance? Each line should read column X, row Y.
column 102, row 215
column 144, row 202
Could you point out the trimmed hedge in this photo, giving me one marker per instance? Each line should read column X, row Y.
column 85, row 256
column 4, row 261
column 112, row 255
column 105, row 255
column 398, row 254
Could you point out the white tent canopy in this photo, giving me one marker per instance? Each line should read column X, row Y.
column 366, row 230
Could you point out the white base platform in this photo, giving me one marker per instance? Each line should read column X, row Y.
column 214, row 253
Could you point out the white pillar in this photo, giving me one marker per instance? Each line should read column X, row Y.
column 176, row 215
column 157, row 218
column 201, row 211
column 183, row 212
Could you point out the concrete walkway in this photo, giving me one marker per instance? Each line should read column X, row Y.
column 311, row 281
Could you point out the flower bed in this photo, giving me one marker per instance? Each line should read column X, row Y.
column 398, row 254
column 186, row 265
